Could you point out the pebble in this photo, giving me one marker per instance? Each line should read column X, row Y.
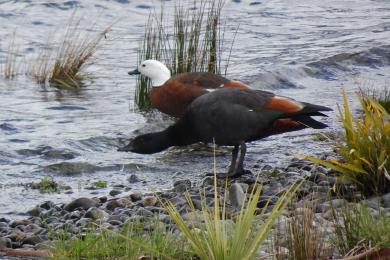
column 237, row 195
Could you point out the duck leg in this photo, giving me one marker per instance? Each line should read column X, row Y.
column 232, row 166
column 236, row 167
column 240, row 165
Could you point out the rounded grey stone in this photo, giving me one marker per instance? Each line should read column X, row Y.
column 237, row 195
column 95, row 213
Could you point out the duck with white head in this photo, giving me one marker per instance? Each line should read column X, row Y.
column 173, row 94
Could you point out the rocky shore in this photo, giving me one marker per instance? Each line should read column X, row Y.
column 36, row 232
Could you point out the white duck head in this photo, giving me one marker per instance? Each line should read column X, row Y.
column 153, row 69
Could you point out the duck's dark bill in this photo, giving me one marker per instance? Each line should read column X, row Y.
column 134, row 72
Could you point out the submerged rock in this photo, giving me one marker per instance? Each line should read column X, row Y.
column 115, row 192
column 71, row 168
column 133, row 178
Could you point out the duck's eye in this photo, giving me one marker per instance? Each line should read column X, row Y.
column 143, row 65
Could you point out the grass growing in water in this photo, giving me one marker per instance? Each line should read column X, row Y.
column 63, row 66
column 46, row 185
column 358, row 230
column 132, row 243
column 100, row 184
column 366, row 151
column 8, row 68
column 192, row 42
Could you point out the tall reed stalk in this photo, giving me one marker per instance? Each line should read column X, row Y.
column 190, row 42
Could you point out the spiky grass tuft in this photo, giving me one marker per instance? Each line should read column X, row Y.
column 218, row 236
column 366, row 151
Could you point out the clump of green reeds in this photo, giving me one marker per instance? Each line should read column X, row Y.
column 62, row 66
column 219, row 236
column 191, row 42
column 358, row 230
column 365, row 155
column 133, row 242
column 9, row 68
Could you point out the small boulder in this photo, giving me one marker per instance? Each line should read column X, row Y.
column 84, row 203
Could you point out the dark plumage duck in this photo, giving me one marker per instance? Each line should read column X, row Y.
column 172, row 95
column 232, row 117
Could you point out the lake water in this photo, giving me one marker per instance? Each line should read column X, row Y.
column 304, row 49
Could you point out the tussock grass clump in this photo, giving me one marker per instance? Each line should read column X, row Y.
column 62, row 66
column 305, row 239
column 133, row 242
column 218, row 236
column 365, row 155
column 192, row 42
column 8, row 69
column 359, row 230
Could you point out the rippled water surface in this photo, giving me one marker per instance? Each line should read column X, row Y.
column 303, row 49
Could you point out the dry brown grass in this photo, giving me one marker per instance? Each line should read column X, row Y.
column 63, row 66
column 8, row 69
column 303, row 238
